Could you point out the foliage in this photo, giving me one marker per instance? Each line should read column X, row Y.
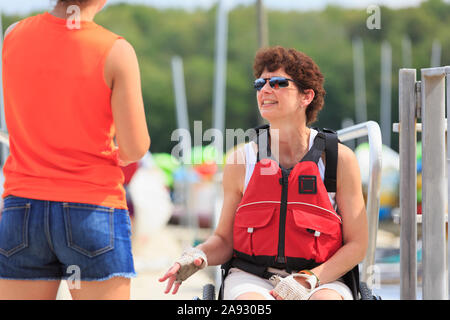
column 157, row 35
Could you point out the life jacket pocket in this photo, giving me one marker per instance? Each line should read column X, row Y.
column 312, row 233
column 255, row 230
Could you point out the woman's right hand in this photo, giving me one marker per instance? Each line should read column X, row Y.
column 192, row 260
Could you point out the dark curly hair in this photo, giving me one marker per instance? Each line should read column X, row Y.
column 300, row 67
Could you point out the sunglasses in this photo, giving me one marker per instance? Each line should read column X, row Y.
column 274, row 82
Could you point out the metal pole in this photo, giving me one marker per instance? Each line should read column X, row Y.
column 180, row 93
column 448, row 166
column 406, row 52
column 263, row 38
column 220, row 82
column 184, row 188
column 359, row 81
column 408, row 182
column 220, row 72
column 434, row 187
column 386, row 79
column 263, row 41
column 180, row 102
column 436, row 50
column 348, row 122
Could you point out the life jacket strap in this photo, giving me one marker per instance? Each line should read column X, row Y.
column 260, row 271
column 331, row 151
column 331, row 156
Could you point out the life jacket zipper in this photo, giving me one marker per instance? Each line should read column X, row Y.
column 284, row 181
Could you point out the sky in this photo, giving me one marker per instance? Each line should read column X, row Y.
column 26, row 6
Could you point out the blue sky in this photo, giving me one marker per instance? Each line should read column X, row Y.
column 25, row 6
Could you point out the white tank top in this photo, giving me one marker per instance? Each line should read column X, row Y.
column 250, row 161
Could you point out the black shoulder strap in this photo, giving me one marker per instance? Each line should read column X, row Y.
column 262, row 141
column 331, row 154
column 315, row 152
column 261, row 127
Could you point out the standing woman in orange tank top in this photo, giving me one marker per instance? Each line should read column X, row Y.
column 72, row 90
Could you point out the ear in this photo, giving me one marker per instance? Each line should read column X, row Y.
column 306, row 97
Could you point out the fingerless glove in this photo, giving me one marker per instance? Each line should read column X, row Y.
column 187, row 264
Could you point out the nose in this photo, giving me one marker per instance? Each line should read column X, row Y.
column 266, row 87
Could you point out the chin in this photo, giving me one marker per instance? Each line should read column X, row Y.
column 267, row 115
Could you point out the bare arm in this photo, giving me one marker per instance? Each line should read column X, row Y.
column 351, row 206
column 219, row 246
column 122, row 73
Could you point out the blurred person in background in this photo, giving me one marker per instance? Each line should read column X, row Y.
column 70, row 87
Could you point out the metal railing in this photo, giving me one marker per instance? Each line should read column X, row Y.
column 370, row 129
column 423, row 99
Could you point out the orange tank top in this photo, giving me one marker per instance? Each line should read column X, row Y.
column 58, row 113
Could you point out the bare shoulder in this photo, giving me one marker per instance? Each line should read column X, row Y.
column 121, row 57
column 346, row 157
column 121, row 63
column 10, row 28
column 122, row 51
column 348, row 171
column 122, row 46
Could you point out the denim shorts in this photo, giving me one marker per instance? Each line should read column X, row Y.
column 49, row 240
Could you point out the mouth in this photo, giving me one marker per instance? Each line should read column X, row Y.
column 268, row 103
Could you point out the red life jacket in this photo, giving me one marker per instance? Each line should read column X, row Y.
column 285, row 218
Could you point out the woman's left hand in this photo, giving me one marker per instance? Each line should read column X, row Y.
column 293, row 287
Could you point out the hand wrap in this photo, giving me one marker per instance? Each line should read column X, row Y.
column 187, row 265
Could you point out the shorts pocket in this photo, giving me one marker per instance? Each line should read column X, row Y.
column 14, row 227
column 89, row 228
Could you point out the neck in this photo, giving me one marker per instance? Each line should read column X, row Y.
column 290, row 135
column 289, row 142
column 291, row 130
column 87, row 11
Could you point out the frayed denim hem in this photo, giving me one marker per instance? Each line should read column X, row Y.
column 127, row 275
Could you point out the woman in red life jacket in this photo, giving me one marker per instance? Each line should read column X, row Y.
column 285, row 234
column 71, row 87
